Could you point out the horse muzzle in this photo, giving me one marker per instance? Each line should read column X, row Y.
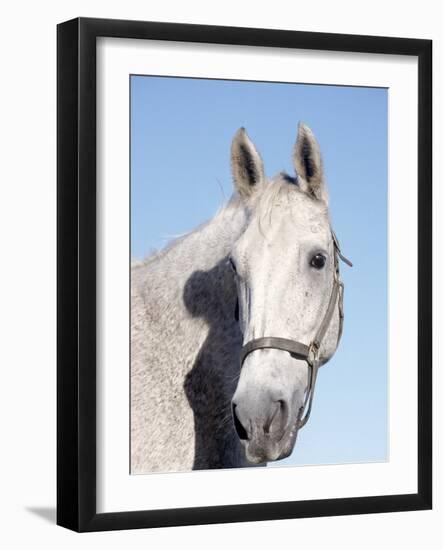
column 267, row 427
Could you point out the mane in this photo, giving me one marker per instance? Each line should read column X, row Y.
column 225, row 211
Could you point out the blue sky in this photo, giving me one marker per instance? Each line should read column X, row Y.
column 181, row 132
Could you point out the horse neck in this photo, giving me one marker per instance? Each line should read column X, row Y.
column 182, row 316
column 175, row 277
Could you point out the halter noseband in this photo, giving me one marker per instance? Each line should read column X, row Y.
column 308, row 353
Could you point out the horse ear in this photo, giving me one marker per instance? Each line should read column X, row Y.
column 247, row 165
column 308, row 164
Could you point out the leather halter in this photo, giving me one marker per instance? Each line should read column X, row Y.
column 308, row 353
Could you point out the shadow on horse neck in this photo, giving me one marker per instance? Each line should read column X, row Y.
column 210, row 384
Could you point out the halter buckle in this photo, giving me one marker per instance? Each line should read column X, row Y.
column 312, row 352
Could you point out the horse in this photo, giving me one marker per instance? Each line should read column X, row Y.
column 225, row 321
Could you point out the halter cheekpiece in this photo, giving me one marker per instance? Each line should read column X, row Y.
column 308, row 353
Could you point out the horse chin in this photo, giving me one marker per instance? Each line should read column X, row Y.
column 265, row 450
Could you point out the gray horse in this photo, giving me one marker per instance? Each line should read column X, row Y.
column 263, row 266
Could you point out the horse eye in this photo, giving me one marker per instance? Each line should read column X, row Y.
column 232, row 264
column 318, row 261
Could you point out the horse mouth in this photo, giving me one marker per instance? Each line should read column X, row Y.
column 264, row 449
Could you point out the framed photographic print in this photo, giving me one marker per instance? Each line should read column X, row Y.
column 244, row 274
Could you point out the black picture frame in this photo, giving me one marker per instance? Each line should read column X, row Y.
column 76, row 279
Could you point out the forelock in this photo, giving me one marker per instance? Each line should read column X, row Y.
column 283, row 191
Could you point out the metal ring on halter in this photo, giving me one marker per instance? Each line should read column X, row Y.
column 308, row 353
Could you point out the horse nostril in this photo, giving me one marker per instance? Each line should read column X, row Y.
column 241, row 432
column 278, row 419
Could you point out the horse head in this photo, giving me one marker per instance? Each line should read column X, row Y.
column 289, row 294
